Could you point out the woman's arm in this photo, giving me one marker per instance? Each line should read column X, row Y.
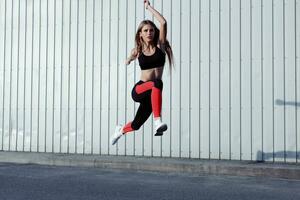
column 161, row 19
column 132, row 56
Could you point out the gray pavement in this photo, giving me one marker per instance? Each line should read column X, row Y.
column 42, row 182
column 167, row 165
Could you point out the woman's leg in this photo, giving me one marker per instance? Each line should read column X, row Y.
column 144, row 111
column 142, row 114
column 155, row 87
column 149, row 94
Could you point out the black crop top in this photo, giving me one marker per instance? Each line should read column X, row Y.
column 156, row 60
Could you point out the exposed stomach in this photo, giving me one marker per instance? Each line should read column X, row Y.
column 151, row 74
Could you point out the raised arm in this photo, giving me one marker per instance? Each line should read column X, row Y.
column 133, row 55
column 162, row 21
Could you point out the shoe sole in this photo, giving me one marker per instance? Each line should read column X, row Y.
column 114, row 141
column 160, row 131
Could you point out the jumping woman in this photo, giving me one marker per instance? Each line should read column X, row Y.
column 151, row 47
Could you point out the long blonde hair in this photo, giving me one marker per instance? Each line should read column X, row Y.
column 139, row 45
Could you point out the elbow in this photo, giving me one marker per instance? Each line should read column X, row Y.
column 163, row 22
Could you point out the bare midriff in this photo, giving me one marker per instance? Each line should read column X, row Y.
column 151, row 74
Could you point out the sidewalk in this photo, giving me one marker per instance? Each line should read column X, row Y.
column 168, row 165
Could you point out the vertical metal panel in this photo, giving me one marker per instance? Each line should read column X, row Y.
column 26, row 117
column 279, row 118
column 81, row 78
column 59, row 46
column 41, row 76
column 35, row 77
column 46, row 77
column 194, row 79
column 2, row 64
column 4, row 76
column 76, row 66
column 88, row 75
column 108, row 83
column 235, row 80
column 72, row 85
column 166, row 107
column 62, row 72
column 96, row 78
column 93, row 77
column 185, row 80
column 17, row 78
column 101, row 62
column 175, row 120
column 297, row 74
column 224, row 80
column 114, row 69
column 130, row 81
column 31, row 108
column 245, row 81
column 234, row 92
column 39, row 11
column 84, row 76
column 64, row 77
column 122, row 71
column 267, row 81
column 117, row 59
column 290, row 149
column 11, row 76
column 214, row 80
column 54, row 78
column 105, row 78
column 205, row 50
column 256, row 80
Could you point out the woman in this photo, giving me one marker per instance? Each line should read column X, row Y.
column 151, row 47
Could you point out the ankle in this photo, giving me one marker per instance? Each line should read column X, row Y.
column 157, row 118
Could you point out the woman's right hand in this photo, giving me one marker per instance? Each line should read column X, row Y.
column 147, row 3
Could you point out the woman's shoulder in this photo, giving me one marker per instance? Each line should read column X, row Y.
column 161, row 47
column 135, row 52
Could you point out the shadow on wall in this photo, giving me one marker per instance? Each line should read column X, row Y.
column 280, row 102
column 278, row 155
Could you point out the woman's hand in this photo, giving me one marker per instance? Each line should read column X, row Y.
column 147, row 3
column 128, row 61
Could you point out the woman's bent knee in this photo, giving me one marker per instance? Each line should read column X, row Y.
column 158, row 84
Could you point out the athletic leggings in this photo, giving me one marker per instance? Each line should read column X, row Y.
column 149, row 95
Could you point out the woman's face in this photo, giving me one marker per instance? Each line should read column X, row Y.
column 147, row 33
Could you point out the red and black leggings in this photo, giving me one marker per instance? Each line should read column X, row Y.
column 149, row 95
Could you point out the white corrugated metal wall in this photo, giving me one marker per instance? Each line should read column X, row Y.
column 234, row 93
